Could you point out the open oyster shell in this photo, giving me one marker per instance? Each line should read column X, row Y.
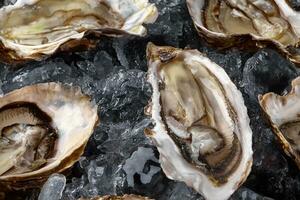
column 44, row 129
column 247, row 22
column 125, row 197
column 201, row 126
column 32, row 28
column 283, row 113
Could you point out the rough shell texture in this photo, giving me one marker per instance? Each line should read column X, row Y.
column 73, row 116
column 172, row 158
column 32, row 28
column 283, row 115
column 260, row 23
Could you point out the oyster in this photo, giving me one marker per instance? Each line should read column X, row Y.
column 283, row 113
column 125, row 197
column 44, row 129
column 230, row 22
column 201, row 124
column 32, row 28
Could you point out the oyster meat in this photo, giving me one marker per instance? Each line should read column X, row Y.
column 43, row 129
column 201, row 126
column 283, row 113
column 32, row 28
column 229, row 22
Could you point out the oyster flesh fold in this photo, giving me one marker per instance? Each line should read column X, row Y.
column 201, row 126
column 283, row 113
column 32, row 28
column 43, row 129
column 267, row 22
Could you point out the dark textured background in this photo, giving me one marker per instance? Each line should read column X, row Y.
column 119, row 159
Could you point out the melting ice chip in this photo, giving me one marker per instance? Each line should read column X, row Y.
column 53, row 187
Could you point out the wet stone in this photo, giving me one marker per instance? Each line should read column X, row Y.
column 1, row 92
column 132, row 59
column 267, row 71
column 124, row 95
column 9, row 2
column 38, row 72
column 119, row 46
column 246, row 194
column 100, row 67
column 295, row 4
column 179, row 191
column 232, row 61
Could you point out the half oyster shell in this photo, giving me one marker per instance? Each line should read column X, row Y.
column 44, row 129
column 32, row 28
column 247, row 22
column 201, row 126
column 283, row 113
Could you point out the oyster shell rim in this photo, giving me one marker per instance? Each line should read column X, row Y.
column 10, row 55
column 243, row 41
column 285, row 145
column 19, row 181
column 159, row 128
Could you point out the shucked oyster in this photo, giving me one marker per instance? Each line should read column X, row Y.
column 201, row 124
column 283, row 112
column 230, row 22
column 31, row 28
column 43, row 129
